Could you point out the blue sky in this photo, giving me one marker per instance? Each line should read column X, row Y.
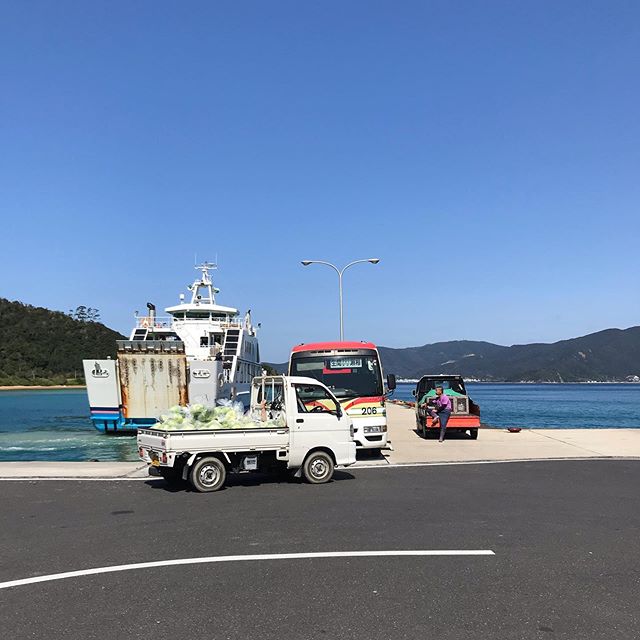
column 487, row 153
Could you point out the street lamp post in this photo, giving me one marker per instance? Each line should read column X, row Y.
column 306, row 263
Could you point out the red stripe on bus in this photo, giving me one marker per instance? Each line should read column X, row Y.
column 363, row 400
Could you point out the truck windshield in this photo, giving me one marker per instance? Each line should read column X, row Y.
column 347, row 376
column 313, row 399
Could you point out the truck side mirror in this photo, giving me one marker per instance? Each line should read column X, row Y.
column 391, row 381
column 413, row 392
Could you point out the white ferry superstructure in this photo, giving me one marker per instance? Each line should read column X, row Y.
column 200, row 352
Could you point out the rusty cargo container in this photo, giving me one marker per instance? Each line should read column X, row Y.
column 153, row 377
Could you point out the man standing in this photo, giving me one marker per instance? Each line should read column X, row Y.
column 441, row 411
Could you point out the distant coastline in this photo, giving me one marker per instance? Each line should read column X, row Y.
column 475, row 381
column 41, row 387
column 59, row 387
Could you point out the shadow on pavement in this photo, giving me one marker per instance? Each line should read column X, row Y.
column 454, row 434
column 365, row 455
column 242, row 480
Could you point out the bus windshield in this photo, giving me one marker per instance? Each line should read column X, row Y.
column 347, row 376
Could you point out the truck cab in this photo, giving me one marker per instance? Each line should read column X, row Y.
column 465, row 414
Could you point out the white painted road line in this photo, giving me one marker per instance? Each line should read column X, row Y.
column 78, row 479
column 454, row 463
column 267, row 556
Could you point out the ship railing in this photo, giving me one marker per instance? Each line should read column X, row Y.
column 147, row 322
column 150, row 346
column 165, row 322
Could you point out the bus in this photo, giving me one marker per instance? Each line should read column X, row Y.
column 353, row 372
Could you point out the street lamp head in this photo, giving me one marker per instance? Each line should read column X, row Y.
column 306, row 263
column 374, row 260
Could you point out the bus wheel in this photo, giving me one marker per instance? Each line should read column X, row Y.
column 208, row 474
column 473, row 433
column 318, row 468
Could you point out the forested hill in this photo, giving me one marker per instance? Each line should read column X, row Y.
column 40, row 346
column 610, row 355
column 607, row 356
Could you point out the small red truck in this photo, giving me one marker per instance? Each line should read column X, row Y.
column 465, row 415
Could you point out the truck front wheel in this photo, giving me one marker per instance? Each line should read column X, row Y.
column 318, row 468
column 473, row 433
column 208, row 474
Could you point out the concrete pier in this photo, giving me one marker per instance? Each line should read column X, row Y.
column 72, row 470
column 499, row 444
column 492, row 445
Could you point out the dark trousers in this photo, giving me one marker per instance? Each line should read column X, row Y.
column 443, row 416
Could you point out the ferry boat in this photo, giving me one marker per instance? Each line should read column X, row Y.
column 200, row 352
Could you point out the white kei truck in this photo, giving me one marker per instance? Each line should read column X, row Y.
column 305, row 433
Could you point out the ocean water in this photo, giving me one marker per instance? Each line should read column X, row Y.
column 55, row 425
column 552, row 406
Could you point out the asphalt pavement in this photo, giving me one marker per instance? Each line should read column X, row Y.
column 565, row 536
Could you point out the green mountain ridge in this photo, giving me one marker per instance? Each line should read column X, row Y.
column 606, row 356
column 43, row 347
column 39, row 346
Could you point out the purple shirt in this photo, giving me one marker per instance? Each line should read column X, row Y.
column 443, row 403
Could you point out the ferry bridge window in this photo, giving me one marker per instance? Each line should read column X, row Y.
column 346, row 376
column 162, row 336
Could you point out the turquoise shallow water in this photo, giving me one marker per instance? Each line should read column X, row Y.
column 55, row 425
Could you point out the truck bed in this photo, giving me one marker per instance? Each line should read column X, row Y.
column 197, row 440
